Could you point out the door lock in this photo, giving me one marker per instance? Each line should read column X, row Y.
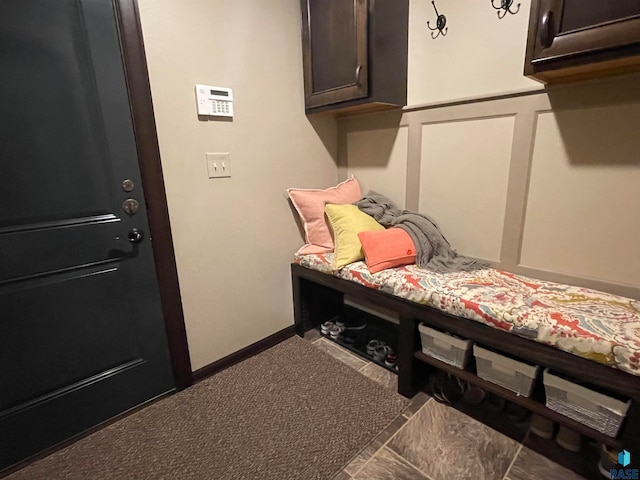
column 131, row 206
column 128, row 185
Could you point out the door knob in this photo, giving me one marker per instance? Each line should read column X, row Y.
column 135, row 235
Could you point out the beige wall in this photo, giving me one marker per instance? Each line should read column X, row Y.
column 480, row 55
column 234, row 237
column 544, row 182
column 437, row 159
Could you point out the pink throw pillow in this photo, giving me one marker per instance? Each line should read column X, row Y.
column 310, row 206
column 387, row 248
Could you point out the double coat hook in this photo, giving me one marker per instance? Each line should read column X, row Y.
column 441, row 23
column 504, row 7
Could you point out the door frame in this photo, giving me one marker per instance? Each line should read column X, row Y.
column 144, row 126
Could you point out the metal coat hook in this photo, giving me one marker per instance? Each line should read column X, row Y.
column 504, row 8
column 441, row 23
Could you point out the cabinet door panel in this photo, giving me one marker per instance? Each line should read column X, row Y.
column 579, row 36
column 333, row 43
column 335, row 50
column 577, row 15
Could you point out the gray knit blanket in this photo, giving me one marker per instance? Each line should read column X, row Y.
column 433, row 251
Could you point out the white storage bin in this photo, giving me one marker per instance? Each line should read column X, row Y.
column 504, row 371
column 444, row 347
column 586, row 406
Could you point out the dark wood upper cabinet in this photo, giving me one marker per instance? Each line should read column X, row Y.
column 354, row 54
column 578, row 39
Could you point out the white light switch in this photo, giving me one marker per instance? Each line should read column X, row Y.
column 218, row 165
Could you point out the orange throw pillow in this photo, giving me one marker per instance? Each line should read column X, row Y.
column 387, row 248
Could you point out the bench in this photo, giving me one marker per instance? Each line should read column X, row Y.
column 319, row 296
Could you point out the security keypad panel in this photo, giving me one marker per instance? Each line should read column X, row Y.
column 214, row 101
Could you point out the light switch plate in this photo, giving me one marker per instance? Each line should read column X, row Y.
column 218, row 165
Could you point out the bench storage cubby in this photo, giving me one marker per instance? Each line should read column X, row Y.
column 357, row 340
column 319, row 296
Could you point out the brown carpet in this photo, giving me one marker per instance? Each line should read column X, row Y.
column 292, row 412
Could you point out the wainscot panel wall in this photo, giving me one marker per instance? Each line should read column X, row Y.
column 586, row 170
column 543, row 183
column 380, row 158
column 467, row 197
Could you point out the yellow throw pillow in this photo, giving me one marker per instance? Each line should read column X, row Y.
column 346, row 222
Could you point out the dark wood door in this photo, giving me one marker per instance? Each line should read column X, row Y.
column 82, row 337
column 574, row 37
column 334, row 43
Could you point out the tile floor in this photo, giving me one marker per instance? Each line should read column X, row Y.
column 430, row 441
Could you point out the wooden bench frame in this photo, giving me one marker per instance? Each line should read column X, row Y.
column 318, row 297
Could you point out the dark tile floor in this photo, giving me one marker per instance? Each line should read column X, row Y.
column 430, row 441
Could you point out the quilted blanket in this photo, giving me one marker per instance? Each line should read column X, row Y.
column 432, row 249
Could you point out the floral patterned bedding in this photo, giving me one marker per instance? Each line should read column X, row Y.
column 588, row 323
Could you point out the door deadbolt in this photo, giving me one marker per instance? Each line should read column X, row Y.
column 131, row 206
column 128, row 185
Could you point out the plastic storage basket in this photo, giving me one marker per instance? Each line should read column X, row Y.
column 508, row 373
column 444, row 347
column 586, row 406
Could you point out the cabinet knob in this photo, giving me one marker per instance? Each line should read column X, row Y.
column 358, row 69
column 546, row 29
